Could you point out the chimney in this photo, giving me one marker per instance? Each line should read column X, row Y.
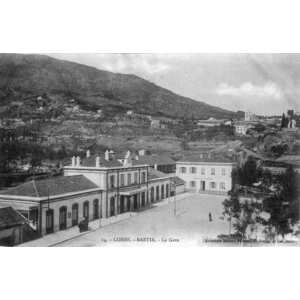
column 77, row 161
column 97, row 162
column 88, row 153
column 73, row 161
column 106, row 155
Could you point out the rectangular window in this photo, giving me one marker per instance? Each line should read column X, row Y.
column 129, row 179
column 193, row 170
column 143, row 177
column 182, row 170
column 112, row 181
column 223, row 171
column 122, row 179
column 212, row 185
column 192, row 184
column 202, row 171
column 136, row 177
column 222, row 185
column 212, row 171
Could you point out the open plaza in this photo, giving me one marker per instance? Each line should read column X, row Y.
column 185, row 222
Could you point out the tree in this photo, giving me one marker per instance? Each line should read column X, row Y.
column 283, row 206
column 241, row 214
column 248, row 174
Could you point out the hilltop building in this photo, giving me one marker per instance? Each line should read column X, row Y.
column 205, row 174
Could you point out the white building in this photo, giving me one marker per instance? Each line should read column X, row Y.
column 242, row 127
column 201, row 175
column 92, row 188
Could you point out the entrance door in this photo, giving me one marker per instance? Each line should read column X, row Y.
column 128, row 203
column 63, row 218
column 74, row 214
column 152, row 194
column 112, row 206
column 96, row 209
column 135, row 202
column 202, row 185
column 143, row 199
column 122, row 204
column 49, row 221
column 86, row 210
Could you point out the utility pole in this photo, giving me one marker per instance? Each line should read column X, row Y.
column 175, row 208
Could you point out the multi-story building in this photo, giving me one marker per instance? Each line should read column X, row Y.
column 205, row 174
column 92, row 188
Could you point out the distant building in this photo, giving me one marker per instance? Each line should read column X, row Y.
column 205, row 175
column 211, row 122
column 249, row 116
column 160, row 162
column 242, row 127
column 162, row 122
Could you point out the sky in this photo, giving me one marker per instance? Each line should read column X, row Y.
column 264, row 84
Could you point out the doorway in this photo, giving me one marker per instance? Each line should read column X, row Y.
column 63, row 218
column 49, row 221
column 135, row 202
column 74, row 214
column 112, row 206
column 86, row 209
column 96, row 209
column 202, row 185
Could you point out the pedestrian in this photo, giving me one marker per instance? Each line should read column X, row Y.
column 210, row 217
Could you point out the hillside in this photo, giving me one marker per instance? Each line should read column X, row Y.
column 25, row 76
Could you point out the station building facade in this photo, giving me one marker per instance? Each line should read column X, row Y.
column 205, row 174
column 92, row 188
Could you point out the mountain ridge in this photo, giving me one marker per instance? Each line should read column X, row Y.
column 23, row 75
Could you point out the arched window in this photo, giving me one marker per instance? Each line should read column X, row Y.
column 74, row 214
column 86, row 209
column 96, row 209
column 112, row 206
column 62, row 218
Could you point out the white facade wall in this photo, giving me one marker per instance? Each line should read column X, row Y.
column 205, row 177
column 56, row 205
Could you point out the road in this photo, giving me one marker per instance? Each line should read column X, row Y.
column 159, row 225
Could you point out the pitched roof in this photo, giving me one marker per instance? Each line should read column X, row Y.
column 10, row 218
column 154, row 159
column 51, row 187
column 213, row 159
column 154, row 174
column 178, row 181
column 91, row 162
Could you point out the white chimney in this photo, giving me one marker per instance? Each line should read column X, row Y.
column 127, row 155
column 77, row 161
column 106, row 155
column 88, row 153
column 97, row 162
column 73, row 161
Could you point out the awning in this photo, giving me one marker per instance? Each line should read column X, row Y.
column 17, row 205
column 132, row 191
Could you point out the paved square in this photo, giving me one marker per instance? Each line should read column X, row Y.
column 159, row 225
